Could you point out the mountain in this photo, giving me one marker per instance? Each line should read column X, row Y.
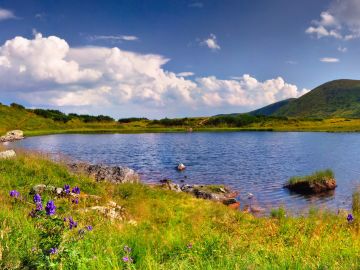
column 272, row 108
column 339, row 98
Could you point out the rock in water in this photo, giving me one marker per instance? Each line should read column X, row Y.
column 181, row 167
column 306, row 187
column 12, row 136
column 7, row 154
column 106, row 173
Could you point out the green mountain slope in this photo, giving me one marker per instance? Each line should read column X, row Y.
column 272, row 108
column 340, row 98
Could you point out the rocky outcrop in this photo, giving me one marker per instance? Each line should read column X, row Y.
column 217, row 193
column 111, row 210
column 110, row 174
column 7, row 154
column 12, row 136
column 312, row 187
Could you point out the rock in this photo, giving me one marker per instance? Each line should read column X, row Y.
column 12, row 136
column 167, row 184
column 316, row 187
column 256, row 209
column 111, row 210
column 181, row 167
column 165, row 181
column 59, row 191
column 234, row 205
column 38, row 189
column 106, row 173
column 229, row 201
column 7, row 154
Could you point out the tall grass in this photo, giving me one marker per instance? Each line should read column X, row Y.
column 166, row 230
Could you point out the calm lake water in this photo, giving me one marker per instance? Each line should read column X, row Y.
column 256, row 162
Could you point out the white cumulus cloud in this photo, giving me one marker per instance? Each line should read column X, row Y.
column 340, row 21
column 46, row 71
column 6, row 14
column 211, row 43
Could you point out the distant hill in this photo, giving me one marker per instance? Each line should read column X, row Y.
column 339, row 98
column 272, row 108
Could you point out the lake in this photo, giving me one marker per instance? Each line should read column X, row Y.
column 256, row 162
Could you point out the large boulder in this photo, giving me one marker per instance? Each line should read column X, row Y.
column 308, row 187
column 106, row 173
column 12, row 136
column 7, row 154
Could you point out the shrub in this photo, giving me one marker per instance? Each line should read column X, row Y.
column 132, row 119
column 17, row 106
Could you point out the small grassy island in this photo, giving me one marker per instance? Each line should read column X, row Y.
column 318, row 182
column 154, row 228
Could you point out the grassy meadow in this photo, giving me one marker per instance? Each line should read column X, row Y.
column 164, row 229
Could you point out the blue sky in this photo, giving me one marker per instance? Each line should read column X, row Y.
column 134, row 58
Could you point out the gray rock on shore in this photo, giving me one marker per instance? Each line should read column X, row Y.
column 13, row 135
column 7, row 154
column 110, row 174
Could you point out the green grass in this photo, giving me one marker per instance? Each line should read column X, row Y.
column 316, row 177
column 167, row 222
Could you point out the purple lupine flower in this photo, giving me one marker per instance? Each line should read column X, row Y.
column 37, row 198
column 14, row 194
column 350, row 218
column 39, row 206
column 127, row 249
column 89, row 228
column 72, row 223
column 65, row 219
column 53, row 251
column 76, row 190
column 75, row 201
column 67, row 189
column 127, row 259
column 50, row 208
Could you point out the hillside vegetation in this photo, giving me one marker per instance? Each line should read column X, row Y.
column 161, row 229
column 339, row 98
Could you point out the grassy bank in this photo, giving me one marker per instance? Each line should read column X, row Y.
column 166, row 230
column 48, row 122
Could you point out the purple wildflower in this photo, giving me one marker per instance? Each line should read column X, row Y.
column 75, row 201
column 127, row 249
column 76, row 190
column 89, row 228
column 350, row 218
column 53, row 251
column 65, row 219
column 14, row 194
column 37, row 198
column 39, row 206
column 67, row 189
column 127, row 259
column 50, row 208
column 72, row 223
